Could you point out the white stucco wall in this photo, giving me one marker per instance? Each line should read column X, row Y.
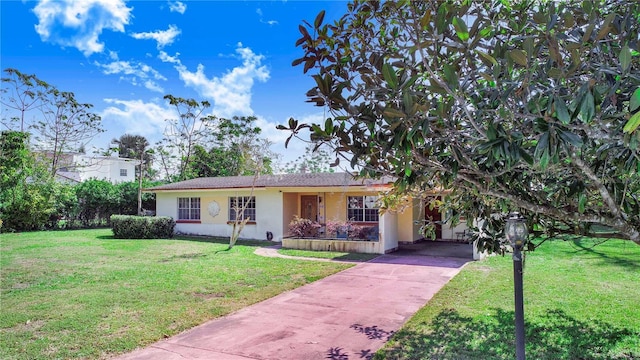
column 389, row 231
column 105, row 168
column 269, row 210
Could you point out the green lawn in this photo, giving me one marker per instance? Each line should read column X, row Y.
column 581, row 302
column 333, row 255
column 83, row 294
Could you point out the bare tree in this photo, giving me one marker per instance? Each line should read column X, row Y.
column 21, row 92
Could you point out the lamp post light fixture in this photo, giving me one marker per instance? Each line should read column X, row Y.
column 517, row 233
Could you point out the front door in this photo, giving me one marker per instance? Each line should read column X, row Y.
column 309, row 205
column 434, row 215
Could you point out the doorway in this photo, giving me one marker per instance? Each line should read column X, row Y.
column 434, row 215
column 309, row 207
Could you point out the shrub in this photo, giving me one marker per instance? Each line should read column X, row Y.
column 349, row 230
column 142, row 227
column 301, row 227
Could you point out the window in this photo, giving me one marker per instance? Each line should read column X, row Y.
column 237, row 203
column 123, row 172
column 362, row 208
column 189, row 208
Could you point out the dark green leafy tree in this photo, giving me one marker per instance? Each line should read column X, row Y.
column 234, row 148
column 27, row 192
column 530, row 105
column 134, row 147
column 97, row 201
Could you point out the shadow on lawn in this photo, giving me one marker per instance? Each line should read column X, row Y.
column 205, row 239
column 628, row 263
column 554, row 336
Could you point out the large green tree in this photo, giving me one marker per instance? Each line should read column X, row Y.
column 531, row 105
column 233, row 147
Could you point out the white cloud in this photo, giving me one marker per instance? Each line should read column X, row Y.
column 133, row 72
column 162, row 37
column 80, row 23
column 269, row 22
column 138, row 117
column 177, row 6
column 167, row 58
column 231, row 92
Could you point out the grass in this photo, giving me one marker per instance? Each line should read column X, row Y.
column 83, row 294
column 581, row 302
column 333, row 255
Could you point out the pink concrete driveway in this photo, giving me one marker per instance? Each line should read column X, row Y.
column 348, row 315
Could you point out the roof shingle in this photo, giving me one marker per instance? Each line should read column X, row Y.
column 266, row 181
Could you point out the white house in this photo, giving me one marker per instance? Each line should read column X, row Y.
column 208, row 206
column 81, row 167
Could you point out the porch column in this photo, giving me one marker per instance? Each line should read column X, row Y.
column 388, row 225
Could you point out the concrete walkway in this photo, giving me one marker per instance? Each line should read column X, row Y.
column 348, row 315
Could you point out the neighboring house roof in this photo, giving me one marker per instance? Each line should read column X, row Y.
column 279, row 181
column 69, row 176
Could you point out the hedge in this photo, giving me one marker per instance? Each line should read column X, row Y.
column 142, row 227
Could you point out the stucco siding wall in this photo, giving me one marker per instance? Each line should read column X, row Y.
column 290, row 208
column 336, row 206
column 269, row 209
column 389, row 231
column 407, row 227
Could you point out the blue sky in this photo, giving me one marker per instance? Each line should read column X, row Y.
column 123, row 57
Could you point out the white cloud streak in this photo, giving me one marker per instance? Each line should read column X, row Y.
column 231, row 92
column 79, row 24
column 137, row 73
column 138, row 117
column 177, row 6
column 162, row 37
column 269, row 22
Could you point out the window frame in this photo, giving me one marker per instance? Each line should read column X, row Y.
column 251, row 210
column 189, row 211
column 124, row 172
column 361, row 213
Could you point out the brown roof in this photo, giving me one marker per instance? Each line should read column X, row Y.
column 279, row 181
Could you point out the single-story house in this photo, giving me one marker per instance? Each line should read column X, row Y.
column 209, row 206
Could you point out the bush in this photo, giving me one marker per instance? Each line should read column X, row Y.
column 349, row 230
column 142, row 227
column 300, row 227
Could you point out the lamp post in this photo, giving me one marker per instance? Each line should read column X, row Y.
column 516, row 233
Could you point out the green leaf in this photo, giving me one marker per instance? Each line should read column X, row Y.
column 587, row 108
column 390, row 76
column 518, row 56
column 571, row 138
column 486, row 58
column 461, row 28
column 426, row 19
column 543, row 145
column 451, row 76
column 544, row 159
column 391, row 112
column 319, row 19
column 625, row 58
column 562, row 113
column 328, row 126
column 632, row 124
column 582, row 202
column 634, row 102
